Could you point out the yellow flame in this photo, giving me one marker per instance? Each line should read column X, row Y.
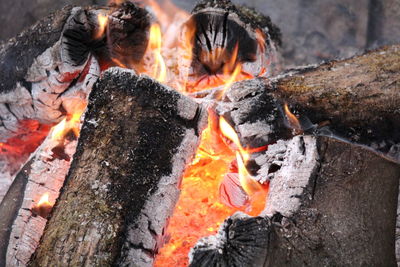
column 155, row 44
column 232, row 79
column 44, row 200
column 102, row 21
column 228, row 131
column 70, row 123
column 249, row 185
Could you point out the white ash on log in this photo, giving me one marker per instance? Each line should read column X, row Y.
column 346, row 212
column 136, row 140
column 23, row 219
column 219, row 35
column 48, row 71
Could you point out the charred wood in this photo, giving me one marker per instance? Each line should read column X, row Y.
column 219, row 35
column 135, row 142
column 354, row 99
column 241, row 241
column 23, row 219
column 47, row 71
column 346, row 212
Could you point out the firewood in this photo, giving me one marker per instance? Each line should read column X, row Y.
column 23, row 220
column 48, row 70
column 355, row 99
column 330, row 203
column 345, row 213
column 219, row 35
column 241, row 240
column 136, row 140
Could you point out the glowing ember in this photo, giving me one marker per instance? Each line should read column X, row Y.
column 43, row 207
column 199, row 211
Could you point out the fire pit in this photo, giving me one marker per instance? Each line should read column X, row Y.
column 147, row 136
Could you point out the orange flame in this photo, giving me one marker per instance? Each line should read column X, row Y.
column 102, row 21
column 229, row 132
column 292, row 119
column 155, row 44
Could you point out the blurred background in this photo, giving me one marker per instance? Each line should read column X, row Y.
column 312, row 30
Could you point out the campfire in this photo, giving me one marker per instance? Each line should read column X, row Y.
column 139, row 134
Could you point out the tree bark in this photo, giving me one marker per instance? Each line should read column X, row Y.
column 355, row 99
column 136, row 140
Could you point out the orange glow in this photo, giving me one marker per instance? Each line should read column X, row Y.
column 159, row 68
column 199, row 211
column 292, row 119
column 102, row 21
column 68, row 124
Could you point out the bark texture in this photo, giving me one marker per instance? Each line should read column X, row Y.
column 355, row 99
column 347, row 215
column 133, row 128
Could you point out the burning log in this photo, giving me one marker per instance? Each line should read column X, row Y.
column 316, row 214
column 355, row 99
column 135, row 142
column 221, row 38
column 47, row 72
column 24, row 216
column 323, row 193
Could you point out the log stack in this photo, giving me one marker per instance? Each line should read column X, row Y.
column 330, row 130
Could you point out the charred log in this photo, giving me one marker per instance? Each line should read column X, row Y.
column 23, row 220
column 47, row 71
column 346, row 211
column 241, row 241
column 136, row 140
column 219, row 35
column 354, row 99
column 330, row 204
column 324, row 194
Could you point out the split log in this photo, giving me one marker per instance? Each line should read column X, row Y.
column 23, row 221
column 124, row 181
column 46, row 71
column 354, row 100
column 340, row 211
column 219, row 35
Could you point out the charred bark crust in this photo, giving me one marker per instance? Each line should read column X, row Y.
column 241, row 241
column 18, row 54
column 355, row 99
column 347, row 215
column 132, row 130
